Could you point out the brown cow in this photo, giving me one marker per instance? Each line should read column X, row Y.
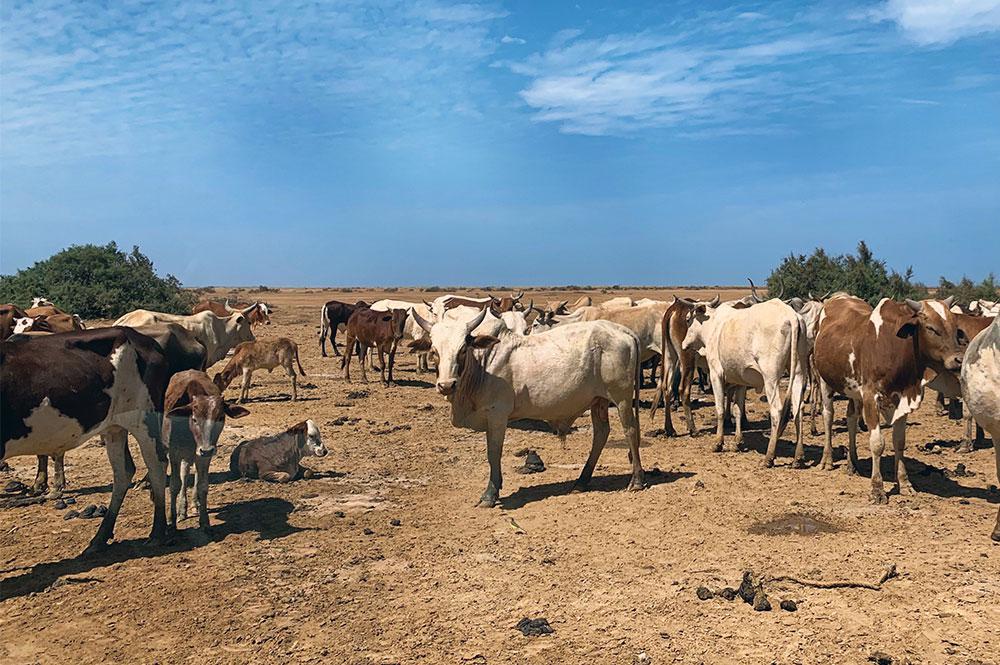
column 195, row 414
column 49, row 323
column 333, row 315
column 257, row 313
column 278, row 458
column 877, row 357
column 369, row 328
column 8, row 313
column 261, row 354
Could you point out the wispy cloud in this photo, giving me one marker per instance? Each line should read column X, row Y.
column 90, row 79
column 935, row 22
column 507, row 39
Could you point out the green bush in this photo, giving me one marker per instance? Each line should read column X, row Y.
column 966, row 290
column 862, row 275
column 97, row 282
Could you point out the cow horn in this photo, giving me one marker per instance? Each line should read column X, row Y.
column 914, row 304
column 715, row 301
column 474, row 323
column 781, row 285
column 949, row 301
column 246, row 311
column 753, row 292
column 531, row 304
column 429, row 306
column 228, row 308
column 421, row 321
column 518, row 296
column 686, row 301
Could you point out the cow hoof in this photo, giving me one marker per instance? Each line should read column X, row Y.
column 719, row 447
column 879, row 497
column 965, row 448
column 54, row 494
column 580, row 487
column 489, row 499
column 798, row 464
column 767, row 463
column 826, row 465
column 95, row 547
column 996, row 534
column 906, row 490
column 636, row 486
column 850, row 469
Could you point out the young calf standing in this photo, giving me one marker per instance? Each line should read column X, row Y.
column 195, row 415
column 278, row 458
column 369, row 328
column 261, row 354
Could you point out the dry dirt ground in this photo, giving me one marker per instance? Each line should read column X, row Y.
column 316, row 571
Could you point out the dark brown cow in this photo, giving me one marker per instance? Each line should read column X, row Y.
column 278, row 458
column 194, row 419
column 261, row 354
column 506, row 303
column 368, row 328
column 877, row 357
column 58, row 391
column 333, row 315
column 8, row 313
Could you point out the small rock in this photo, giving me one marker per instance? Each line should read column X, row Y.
column 880, row 658
column 760, row 602
column 964, row 502
column 789, row 605
column 747, row 590
column 728, row 593
column 534, row 627
column 395, row 522
column 59, row 504
column 69, row 500
column 532, row 463
column 704, row 593
column 369, row 532
column 643, row 658
column 338, row 513
column 70, row 515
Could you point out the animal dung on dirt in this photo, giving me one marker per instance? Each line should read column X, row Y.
column 788, row 605
column 704, row 593
column 532, row 463
column 534, row 627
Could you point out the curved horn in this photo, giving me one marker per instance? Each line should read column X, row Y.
column 753, row 292
column 246, row 311
column 531, row 303
column 421, row 321
column 914, row 304
column 781, row 285
column 949, row 301
column 519, row 295
column 686, row 301
column 474, row 323
column 228, row 308
column 715, row 301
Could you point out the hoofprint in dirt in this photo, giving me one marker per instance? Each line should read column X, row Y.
column 384, row 558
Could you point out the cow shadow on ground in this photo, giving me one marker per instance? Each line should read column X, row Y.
column 599, row 483
column 280, row 397
column 268, row 517
column 526, row 425
column 412, row 383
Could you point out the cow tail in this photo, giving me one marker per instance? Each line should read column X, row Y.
column 793, row 363
column 638, row 383
column 299, row 362
column 324, row 324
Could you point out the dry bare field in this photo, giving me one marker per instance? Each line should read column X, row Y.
column 316, row 571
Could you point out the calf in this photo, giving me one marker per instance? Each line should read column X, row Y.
column 980, row 386
column 278, row 458
column 194, row 418
column 261, row 354
column 333, row 315
column 368, row 328
column 877, row 358
column 58, row 391
column 8, row 315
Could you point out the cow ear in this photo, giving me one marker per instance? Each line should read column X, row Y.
column 235, row 411
column 482, row 341
column 908, row 329
column 183, row 411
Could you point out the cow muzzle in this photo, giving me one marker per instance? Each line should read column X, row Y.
column 446, row 387
column 953, row 364
column 206, row 452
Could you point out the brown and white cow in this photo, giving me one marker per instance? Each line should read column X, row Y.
column 368, row 328
column 257, row 313
column 58, row 391
column 333, row 315
column 877, row 358
column 195, row 416
column 50, row 323
column 261, row 354
column 8, row 315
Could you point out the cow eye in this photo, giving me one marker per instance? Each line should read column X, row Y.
column 961, row 336
column 934, row 330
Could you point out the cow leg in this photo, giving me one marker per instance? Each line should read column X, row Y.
column 294, row 378
column 333, row 340
column 666, row 381
column 175, row 481
column 201, row 463
column 41, row 475
column 363, row 352
column 776, row 407
column 381, row 362
column 148, row 435
column 903, row 485
column 719, row 392
column 966, row 446
column 851, row 466
column 59, row 466
column 798, row 390
column 877, row 445
column 741, row 405
column 392, row 361
column 995, row 433
column 826, row 394
column 245, row 384
column 345, row 362
column 602, row 428
column 496, row 429
column 122, row 469
column 185, row 482
column 630, row 423
column 940, row 407
column 815, row 392
column 687, row 378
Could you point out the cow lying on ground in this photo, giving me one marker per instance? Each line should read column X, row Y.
column 980, row 386
column 194, row 419
column 261, row 354
column 877, row 358
column 278, row 458
column 491, row 380
column 333, row 315
column 381, row 330
column 58, row 391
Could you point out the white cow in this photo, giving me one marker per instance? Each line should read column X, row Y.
column 491, row 380
column 980, row 387
column 218, row 334
column 754, row 347
column 514, row 321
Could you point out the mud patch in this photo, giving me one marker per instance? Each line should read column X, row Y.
column 797, row 524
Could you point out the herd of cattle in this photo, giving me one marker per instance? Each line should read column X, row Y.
column 497, row 360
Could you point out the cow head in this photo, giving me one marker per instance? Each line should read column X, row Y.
column 398, row 318
column 698, row 314
column 940, row 339
column 238, row 326
column 309, row 440
column 260, row 314
column 452, row 341
column 206, row 416
column 23, row 324
column 41, row 302
column 517, row 321
column 507, row 303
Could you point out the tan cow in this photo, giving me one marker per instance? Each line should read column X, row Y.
column 261, row 354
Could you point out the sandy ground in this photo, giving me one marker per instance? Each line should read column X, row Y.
column 316, row 572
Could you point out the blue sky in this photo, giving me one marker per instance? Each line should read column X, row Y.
column 342, row 143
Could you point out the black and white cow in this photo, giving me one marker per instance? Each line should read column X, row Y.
column 58, row 391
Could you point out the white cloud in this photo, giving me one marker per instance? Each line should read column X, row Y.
column 929, row 22
column 507, row 39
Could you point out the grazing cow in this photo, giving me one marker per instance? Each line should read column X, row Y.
column 333, row 315
column 555, row 377
column 58, row 391
column 947, row 383
column 753, row 347
column 218, row 334
column 877, row 358
column 980, row 379
column 195, row 414
column 261, row 354
column 368, row 328
column 8, row 315
column 258, row 313
column 278, row 458
column 50, row 323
